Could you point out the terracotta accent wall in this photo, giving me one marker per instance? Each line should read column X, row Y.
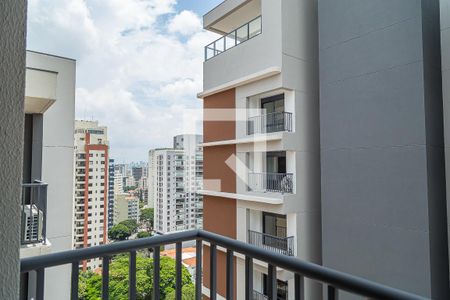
column 219, row 214
column 219, row 125
column 218, row 173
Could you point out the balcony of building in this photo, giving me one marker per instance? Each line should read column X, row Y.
column 256, row 285
column 269, row 231
column 34, row 220
column 268, row 172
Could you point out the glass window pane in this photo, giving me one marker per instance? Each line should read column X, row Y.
column 255, row 27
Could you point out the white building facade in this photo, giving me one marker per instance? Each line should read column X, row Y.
column 48, row 157
column 174, row 179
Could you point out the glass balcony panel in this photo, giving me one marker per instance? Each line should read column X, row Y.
column 230, row 40
column 255, row 27
column 242, row 34
column 219, row 46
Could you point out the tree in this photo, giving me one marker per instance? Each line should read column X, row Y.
column 188, row 293
column 119, row 232
column 90, row 283
column 146, row 218
column 143, row 234
column 131, row 224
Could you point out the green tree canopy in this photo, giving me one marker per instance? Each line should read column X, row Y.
column 131, row 224
column 119, row 232
column 90, row 283
column 188, row 293
column 143, row 234
column 146, row 217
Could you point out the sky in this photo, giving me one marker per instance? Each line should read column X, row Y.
column 139, row 64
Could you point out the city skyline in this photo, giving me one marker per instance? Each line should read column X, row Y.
column 111, row 41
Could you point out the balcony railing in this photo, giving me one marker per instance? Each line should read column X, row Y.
column 282, row 245
column 34, row 213
column 234, row 38
column 273, row 122
column 271, row 182
column 259, row 296
column 333, row 280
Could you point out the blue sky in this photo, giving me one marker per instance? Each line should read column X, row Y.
column 139, row 64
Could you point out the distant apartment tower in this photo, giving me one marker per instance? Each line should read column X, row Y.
column 175, row 176
column 47, row 191
column 111, row 189
column 118, row 182
column 91, row 186
column 137, row 173
column 126, row 206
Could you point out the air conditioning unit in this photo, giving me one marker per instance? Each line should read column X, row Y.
column 34, row 221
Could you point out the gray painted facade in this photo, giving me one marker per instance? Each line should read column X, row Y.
column 382, row 144
column 12, row 94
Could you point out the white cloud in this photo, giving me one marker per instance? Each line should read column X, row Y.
column 185, row 23
column 139, row 64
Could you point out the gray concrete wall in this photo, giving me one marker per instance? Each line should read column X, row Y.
column 382, row 158
column 12, row 95
column 445, row 60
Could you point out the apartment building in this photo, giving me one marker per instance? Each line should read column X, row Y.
column 341, row 165
column 175, row 176
column 118, row 182
column 126, row 206
column 91, row 187
column 47, row 189
column 111, row 190
column 261, row 136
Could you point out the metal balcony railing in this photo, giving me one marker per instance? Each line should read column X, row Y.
column 271, row 182
column 272, row 122
column 34, row 212
column 259, row 296
column 333, row 280
column 234, row 38
column 282, row 245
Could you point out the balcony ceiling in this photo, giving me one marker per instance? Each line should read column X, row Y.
column 40, row 90
column 231, row 14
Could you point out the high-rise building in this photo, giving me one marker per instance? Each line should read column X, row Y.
column 126, row 206
column 91, row 187
column 111, row 189
column 341, row 165
column 47, row 190
column 137, row 173
column 175, row 177
column 118, row 182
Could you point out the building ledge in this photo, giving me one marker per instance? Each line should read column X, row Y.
column 247, row 140
column 269, row 198
column 30, row 250
column 269, row 72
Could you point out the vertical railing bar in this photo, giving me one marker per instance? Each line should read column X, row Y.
column 248, row 278
column 272, row 282
column 44, row 209
column 132, row 276
column 178, row 283
column 40, row 280
column 24, row 218
column 74, row 284
column 299, row 290
column 156, row 263
column 38, row 214
column 198, row 270
column 105, row 278
column 332, row 293
column 230, row 275
column 213, row 272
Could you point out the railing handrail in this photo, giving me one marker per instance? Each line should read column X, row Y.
column 208, row 46
column 272, row 113
column 35, row 183
column 234, row 30
column 313, row 271
column 272, row 236
column 269, row 173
